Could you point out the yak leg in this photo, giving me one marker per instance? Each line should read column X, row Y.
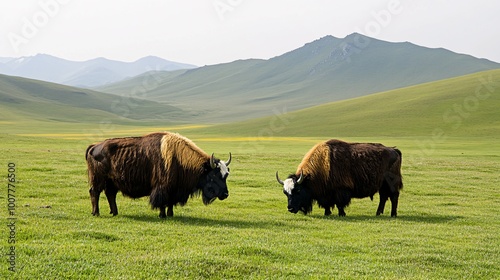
column 162, row 212
column 341, row 210
column 170, row 210
column 394, row 202
column 94, row 198
column 381, row 205
column 97, row 185
column 328, row 212
column 343, row 199
column 111, row 192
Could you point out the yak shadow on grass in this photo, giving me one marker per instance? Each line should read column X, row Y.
column 420, row 218
column 234, row 223
column 202, row 221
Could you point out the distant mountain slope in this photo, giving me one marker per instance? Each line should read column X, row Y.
column 22, row 98
column 461, row 106
column 325, row 70
column 86, row 74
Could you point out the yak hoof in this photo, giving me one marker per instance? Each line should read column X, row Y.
column 163, row 216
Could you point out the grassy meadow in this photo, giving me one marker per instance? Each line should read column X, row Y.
column 447, row 226
column 448, row 217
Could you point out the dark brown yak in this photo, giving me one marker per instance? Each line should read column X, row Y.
column 166, row 167
column 334, row 171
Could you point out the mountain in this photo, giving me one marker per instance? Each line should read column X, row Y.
column 325, row 70
column 27, row 100
column 465, row 106
column 5, row 59
column 86, row 74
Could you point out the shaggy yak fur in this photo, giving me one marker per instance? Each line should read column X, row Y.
column 166, row 167
column 334, row 171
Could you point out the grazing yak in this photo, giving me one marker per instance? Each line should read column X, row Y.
column 167, row 167
column 334, row 171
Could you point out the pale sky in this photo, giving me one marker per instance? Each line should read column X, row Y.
column 205, row 32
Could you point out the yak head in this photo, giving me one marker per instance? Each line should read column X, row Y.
column 213, row 182
column 298, row 194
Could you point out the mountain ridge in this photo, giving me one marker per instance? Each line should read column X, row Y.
column 324, row 70
column 87, row 74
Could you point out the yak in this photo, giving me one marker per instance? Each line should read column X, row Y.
column 167, row 167
column 333, row 172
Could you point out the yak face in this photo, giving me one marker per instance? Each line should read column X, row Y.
column 299, row 196
column 213, row 183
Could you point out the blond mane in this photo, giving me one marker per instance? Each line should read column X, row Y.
column 316, row 163
column 176, row 146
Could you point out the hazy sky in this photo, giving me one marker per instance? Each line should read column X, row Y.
column 205, row 32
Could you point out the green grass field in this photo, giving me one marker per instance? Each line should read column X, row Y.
column 448, row 218
column 447, row 226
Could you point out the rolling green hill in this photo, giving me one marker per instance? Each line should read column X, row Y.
column 328, row 69
column 27, row 100
column 462, row 106
column 456, row 107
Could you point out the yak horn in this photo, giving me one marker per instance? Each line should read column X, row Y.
column 212, row 162
column 301, row 178
column 229, row 160
column 278, row 178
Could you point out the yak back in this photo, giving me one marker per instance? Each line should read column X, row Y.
column 130, row 163
column 360, row 167
column 337, row 165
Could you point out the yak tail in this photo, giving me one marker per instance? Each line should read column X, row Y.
column 396, row 170
column 88, row 151
column 90, row 164
column 399, row 153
